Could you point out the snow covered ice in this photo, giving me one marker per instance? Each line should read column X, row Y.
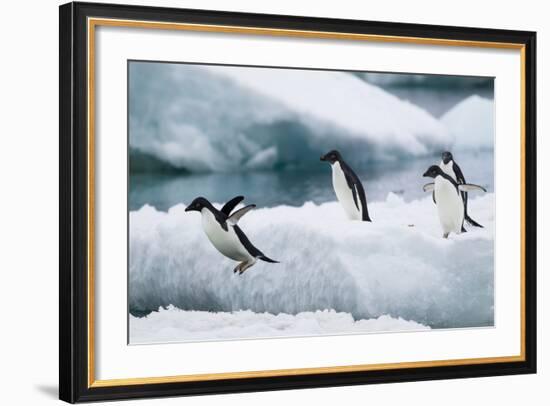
column 396, row 273
column 173, row 325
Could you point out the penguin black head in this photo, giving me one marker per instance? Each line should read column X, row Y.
column 433, row 171
column 446, row 157
column 331, row 156
column 198, row 204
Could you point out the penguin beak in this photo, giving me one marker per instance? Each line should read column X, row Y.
column 323, row 158
column 426, row 174
column 189, row 208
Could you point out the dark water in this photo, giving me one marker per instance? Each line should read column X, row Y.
column 294, row 188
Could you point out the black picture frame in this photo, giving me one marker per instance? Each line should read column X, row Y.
column 74, row 383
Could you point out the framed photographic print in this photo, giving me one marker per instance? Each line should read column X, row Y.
column 258, row 202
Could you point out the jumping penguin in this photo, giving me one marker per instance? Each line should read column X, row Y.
column 451, row 168
column 223, row 232
column 348, row 187
column 448, row 198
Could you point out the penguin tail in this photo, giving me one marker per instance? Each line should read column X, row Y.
column 267, row 259
column 472, row 222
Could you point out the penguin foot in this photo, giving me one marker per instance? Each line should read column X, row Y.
column 445, row 235
column 243, row 266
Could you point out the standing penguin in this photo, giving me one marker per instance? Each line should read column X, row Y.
column 448, row 198
column 348, row 187
column 223, row 232
column 451, row 168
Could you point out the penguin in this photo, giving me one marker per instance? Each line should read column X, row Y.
column 348, row 187
column 448, row 197
column 451, row 168
column 223, row 232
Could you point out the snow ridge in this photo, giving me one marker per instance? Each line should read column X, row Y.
column 398, row 265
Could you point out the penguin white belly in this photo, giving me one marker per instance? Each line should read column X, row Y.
column 344, row 193
column 449, row 206
column 448, row 169
column 227, row 242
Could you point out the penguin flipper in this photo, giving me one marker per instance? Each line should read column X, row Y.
column 469, row 187
column 230, row 205
column 357, row 192
column 255, row 252
column 235, row 217
column 472, row 222
column 428, row 187
column 354, row 194
column 458, row 173
column 267, row 259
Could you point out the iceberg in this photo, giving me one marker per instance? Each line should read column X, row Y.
column 223, row 118
column 471, row 123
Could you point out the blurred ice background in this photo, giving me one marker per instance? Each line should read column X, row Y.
column 217, row 131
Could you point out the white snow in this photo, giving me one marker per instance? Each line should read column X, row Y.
column 175, row 325
column 399, row 265
column 471, row 123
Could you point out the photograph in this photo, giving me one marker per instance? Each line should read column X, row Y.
column 276, row 202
